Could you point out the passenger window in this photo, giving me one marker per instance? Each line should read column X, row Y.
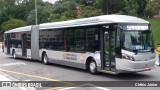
column 79, row 40
column 68, row 40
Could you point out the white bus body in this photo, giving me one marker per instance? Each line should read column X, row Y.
column 108, row 43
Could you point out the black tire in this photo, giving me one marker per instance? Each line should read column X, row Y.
column 45, row 59
column 14, row 54
column 92, row 67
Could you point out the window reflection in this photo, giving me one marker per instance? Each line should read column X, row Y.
column 138, row 40
column 70, row 39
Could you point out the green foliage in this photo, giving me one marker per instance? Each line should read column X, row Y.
column 72, row 9
column 31, row 18
column 110, row 6
column 142, row 4
column 155, row 30
column 44, row 15
column 90, row 11
column 13, row 23
column 2, row 4
column 55, row 17
column 64, row 10
column 16, row 13
column 130, row 8
column 152, row 8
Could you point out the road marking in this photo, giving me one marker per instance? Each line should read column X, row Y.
column 57, row 88
column 40, row 77
column 99, row 87
column 155, row 71
column 28, row 75
column 5, row 77
column 12, row 64
column 84, row 85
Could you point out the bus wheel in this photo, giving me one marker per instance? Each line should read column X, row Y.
column 14, row 54
column 45, row 58
column 93, row 67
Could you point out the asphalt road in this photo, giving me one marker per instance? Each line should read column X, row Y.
column 27, row 70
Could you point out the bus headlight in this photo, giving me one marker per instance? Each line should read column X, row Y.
column 128, row 57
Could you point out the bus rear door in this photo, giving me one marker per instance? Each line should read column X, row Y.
column 8, row 43
column 24, row 43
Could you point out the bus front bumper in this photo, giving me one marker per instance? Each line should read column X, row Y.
column 124, row 65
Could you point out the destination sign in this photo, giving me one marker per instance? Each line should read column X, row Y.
column 137, row 28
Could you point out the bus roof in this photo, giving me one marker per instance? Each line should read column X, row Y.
column 104, row 19
column 20, row 29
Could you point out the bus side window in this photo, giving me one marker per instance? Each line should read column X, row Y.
column 68, row 40
column 79, row 40
column 92, row 39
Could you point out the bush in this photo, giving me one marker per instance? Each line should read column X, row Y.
column 13, row 23
column 155, row 30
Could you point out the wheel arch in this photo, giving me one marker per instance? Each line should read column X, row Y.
column 88, row 60
column 13, row 51
column 43, row 55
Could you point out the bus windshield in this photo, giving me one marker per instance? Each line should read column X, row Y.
column 139, row 41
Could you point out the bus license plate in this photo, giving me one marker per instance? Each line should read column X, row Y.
column 145, row 68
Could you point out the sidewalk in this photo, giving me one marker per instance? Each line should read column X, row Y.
column 5, row 78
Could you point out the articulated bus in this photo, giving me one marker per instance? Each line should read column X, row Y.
column 108, row 43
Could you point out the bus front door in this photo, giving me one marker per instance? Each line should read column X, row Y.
column 24, row 42
column 109, row 50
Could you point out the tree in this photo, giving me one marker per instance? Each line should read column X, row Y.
column 152, row 8
column 110, row 6
column 71, row 9
column 3, row 16
column 90, row 11
column 142, row 4
column 2, row 4
column 44, row 15
column 17, row 11
column 66, row 10
column 31, row 18
column 30, row 4
column 85, row 2
column 13, row 23
column 9, row 9
column 130, row 8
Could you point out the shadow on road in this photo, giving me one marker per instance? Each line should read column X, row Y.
column 122, row 76
column 127, row 76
